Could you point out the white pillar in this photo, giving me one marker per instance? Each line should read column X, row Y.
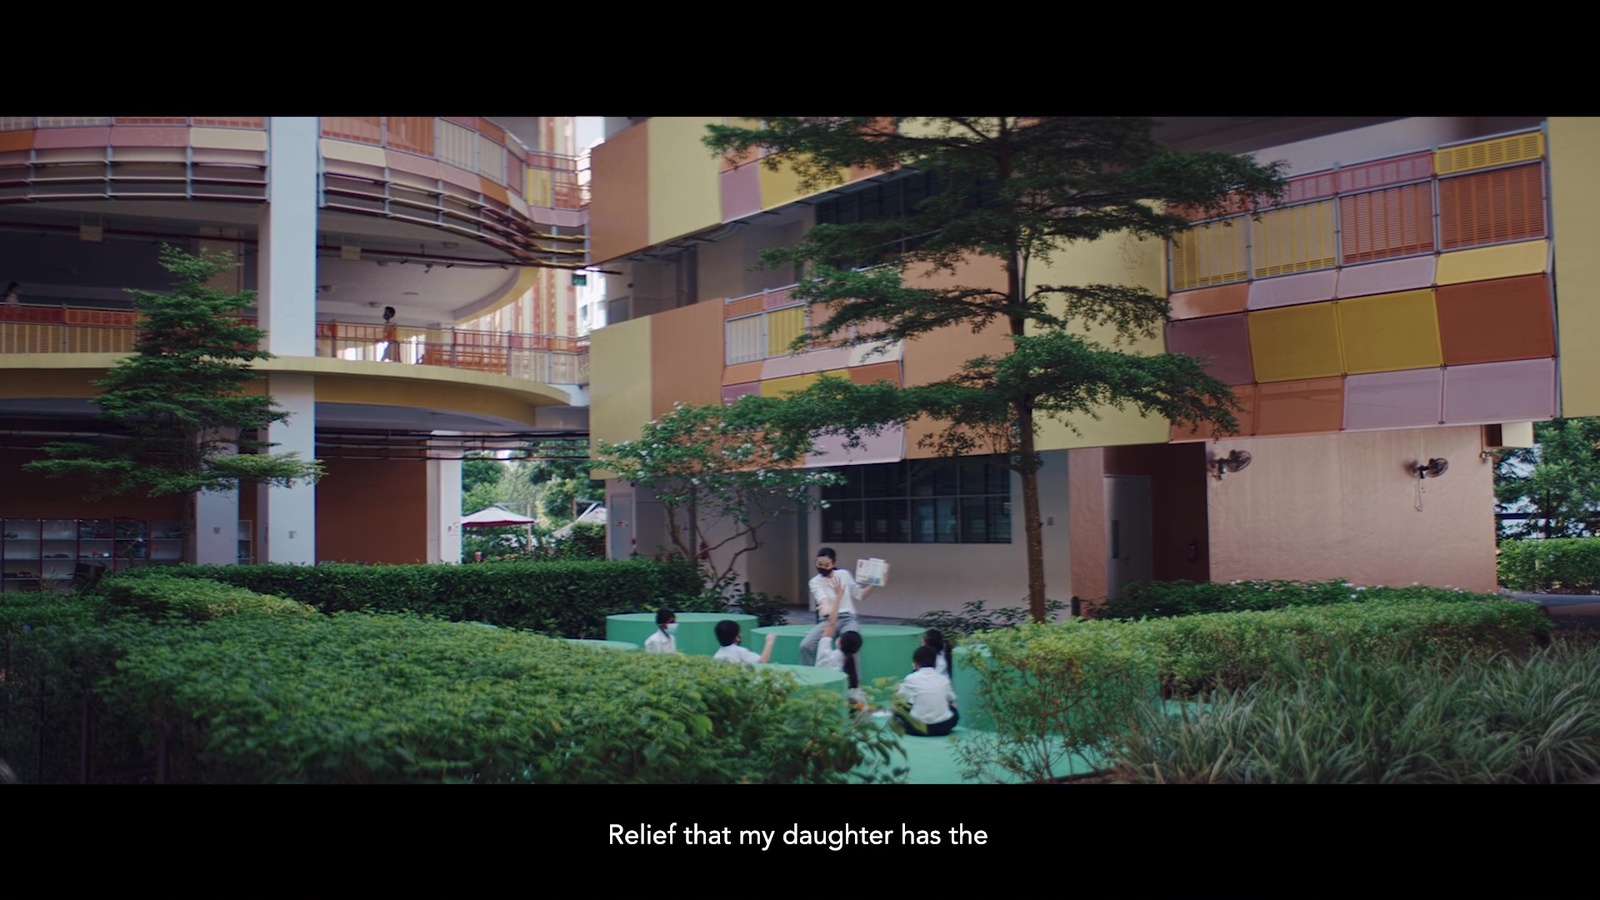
column 287, row 308
column 444, row 510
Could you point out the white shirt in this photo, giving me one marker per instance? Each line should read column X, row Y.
column 828, row 657
column 842, row 585
column 930, row 694
column 736, row 654
column 660, row 642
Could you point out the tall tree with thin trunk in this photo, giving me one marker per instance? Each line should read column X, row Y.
column 183, row 415
column 1019, row 190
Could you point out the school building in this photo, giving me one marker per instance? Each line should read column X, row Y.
column 1425, row 292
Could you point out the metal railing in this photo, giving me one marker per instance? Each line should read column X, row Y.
column 540, row 358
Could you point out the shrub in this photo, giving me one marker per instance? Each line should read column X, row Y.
column 358, row 699
column 1570, row 565
column 568, row 599
column 1163, row 599
column 974, row 617
column 196, row 599
column 1354, row 720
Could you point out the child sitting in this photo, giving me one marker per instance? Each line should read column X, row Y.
column 728, row 636
column 842, row 658
column 927, row 702
column 663, row 641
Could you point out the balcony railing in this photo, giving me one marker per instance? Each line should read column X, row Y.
column 765, row 326
column 539, row 358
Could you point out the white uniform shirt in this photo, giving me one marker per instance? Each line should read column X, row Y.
column 930, row 694
column 828, row 657
column 841, row 585
column 660, row 642
column 736, row 654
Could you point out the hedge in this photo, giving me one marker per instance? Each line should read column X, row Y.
column 259, row 696
column 564, row 598
column 1567, row 565
column 1163, row 599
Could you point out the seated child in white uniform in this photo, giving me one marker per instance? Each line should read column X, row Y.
column 842, row 658
column 728, row 636
column 927, row 699
column 663, row 641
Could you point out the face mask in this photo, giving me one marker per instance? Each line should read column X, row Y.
column 672, row 628
column 825, row 573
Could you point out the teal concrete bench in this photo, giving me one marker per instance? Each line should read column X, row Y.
column 697, row 632
column 885, row 649
column 604, row 645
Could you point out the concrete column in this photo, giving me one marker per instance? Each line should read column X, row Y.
column 444, row 510
column 287, row 309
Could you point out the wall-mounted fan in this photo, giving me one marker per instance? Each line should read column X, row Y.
column 1233, row 462
column 1433, row 468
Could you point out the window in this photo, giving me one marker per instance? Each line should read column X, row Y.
column 925, row 501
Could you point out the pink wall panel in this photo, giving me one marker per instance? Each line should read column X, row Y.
column 149, row 136
column 741, row 192
column 783, row 367
column 1393, row 399
column 823, row 360
column 1397, row 170
column 1292, row 289
column 1521, row 391
column 733, row 392
column 406, row 162
column 888, row 446
column 53, row 138
column 1223, row 341
column 1387, row 277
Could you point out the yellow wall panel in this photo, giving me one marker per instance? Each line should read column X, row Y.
column 783, row 186
column 783, row 327
column 685, row 194
column 1502, row 261
column 1118, row 259
column 1295, row 342
column 1211, row 255
column 1575, row 187
column 778, row 387
column 619, row 380
column 1493, row 152
column 1297, row 239
column 1389, row 332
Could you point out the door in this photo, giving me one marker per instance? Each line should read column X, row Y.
column 1128, row 532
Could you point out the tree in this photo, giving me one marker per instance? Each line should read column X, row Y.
column 1556, row 481
column 720, row 481
column 182, row 419
column 1019, row 190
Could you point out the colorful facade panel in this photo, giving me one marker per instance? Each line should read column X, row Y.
column 1300, row 407
column 1295, row 343
column 1575, row 179
column 1522, row 391
column 1389, row 332
column 1411, row 399
column 1492, row 321
column 1223, row 342
column 1216, row 301
column 1292, row 289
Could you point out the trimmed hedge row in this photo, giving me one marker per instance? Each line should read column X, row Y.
column 565, row 598
column 264, row 692
column 1567, row 565
column 1163, row 599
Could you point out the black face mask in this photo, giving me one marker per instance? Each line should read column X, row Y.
column 825, row 573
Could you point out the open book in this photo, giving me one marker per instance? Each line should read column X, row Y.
column 874, row 572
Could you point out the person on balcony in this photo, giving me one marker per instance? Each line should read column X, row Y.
column 391, row 336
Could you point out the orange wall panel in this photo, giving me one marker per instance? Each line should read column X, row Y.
column 373, row 511
column 619, row 214
column 888, row 371
column 1300, row 407
column 686, row 357
column 1216, row 301
column 1491, row 321
column 1245, row 395
column 1491, row 207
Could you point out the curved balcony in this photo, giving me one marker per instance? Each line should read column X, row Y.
column 537, row 358
column 463, row 175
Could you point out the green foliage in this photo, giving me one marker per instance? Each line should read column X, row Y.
column 974, row 618
column 561, row 598
column 353, row 699
column 1161, row 599
column 1059, row 697
column 587, row 540
column 716, row 475
column 1020, row 190
column 1565, row 565
column 183, row 417
column 1354, row 720
column 1557, row 480
column 477, row 472
column 159, row 596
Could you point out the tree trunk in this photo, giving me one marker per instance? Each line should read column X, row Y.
column 1033, row 527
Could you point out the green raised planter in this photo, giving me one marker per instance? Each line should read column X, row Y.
column 697, row 632
column 974, row 716
column 885, row 649
column 604, row 645
column 812, row 678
